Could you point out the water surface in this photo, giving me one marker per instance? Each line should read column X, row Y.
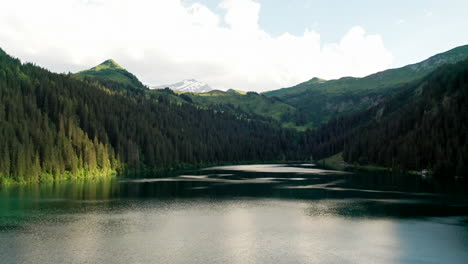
column 277, row 213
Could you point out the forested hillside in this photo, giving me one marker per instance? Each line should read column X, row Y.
column 332, row 137
column 319, row 101
column 421, row 127
column 429, row 132
column 58, row 126
column 249, row 103
column 244, row 105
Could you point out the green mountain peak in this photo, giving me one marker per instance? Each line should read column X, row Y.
column 316, row 80
column 110, row 70
column 108, row 64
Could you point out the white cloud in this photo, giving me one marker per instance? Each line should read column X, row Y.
column 165, row 41
column 241, row 15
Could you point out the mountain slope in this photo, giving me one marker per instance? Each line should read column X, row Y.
column 423, row 126
column 54, row 126
column 109, row 70
column 250, row 103
column 189, row 85
column 430, row 131
column 319, row 101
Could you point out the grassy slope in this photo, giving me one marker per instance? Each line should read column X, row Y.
column 313, row 103
column 112, row 71
column 250, row 102
column 323, row 100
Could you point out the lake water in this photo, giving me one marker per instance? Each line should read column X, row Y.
column 237, row 214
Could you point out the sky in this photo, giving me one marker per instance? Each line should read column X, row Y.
column 252, row 45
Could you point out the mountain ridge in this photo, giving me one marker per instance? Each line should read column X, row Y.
column 420, row 127
column 319, row 102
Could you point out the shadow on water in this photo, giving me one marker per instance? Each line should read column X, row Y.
column 350, row 194
column 242, row 214
column 363, row 194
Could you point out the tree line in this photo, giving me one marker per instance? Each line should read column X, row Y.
column 56, row 126
column 430, row 132
column 423, row 126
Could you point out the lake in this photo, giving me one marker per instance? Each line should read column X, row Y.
column 269, row 213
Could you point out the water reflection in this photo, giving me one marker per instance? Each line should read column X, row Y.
column 277, row 168
column 375, row 194
column 246, row 214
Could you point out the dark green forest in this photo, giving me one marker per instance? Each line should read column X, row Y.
column 423, row 126
column 319, row 101
column 56, row 126
column 429, row 132
column 59, row 126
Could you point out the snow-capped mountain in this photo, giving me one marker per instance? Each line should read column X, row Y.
column 189, row 85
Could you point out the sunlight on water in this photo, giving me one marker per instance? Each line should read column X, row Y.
column 237, row 216
column 276, row 168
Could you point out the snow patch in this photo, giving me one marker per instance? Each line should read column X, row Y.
column 188, row 85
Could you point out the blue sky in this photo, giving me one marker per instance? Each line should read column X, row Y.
column 248, row 45
column 411, row 29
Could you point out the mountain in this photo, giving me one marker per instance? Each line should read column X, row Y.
column 319, row 101
column 109, row 70
column 429, row 131
column 232, row 91
column 189, row 85
column 242, row 103
column 56, row 126
column 422, row 126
